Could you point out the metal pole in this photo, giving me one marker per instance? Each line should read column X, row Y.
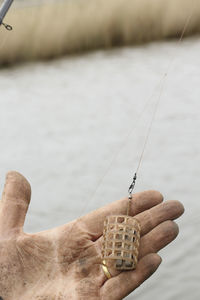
column 3, row 11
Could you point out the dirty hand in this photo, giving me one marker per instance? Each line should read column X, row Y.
column 65, row 262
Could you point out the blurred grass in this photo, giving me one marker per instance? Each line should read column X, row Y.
column 54, row 29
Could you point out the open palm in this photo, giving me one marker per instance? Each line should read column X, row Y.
column 65, row 262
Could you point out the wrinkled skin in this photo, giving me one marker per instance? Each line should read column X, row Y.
column 65, row 262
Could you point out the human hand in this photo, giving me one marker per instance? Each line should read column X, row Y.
column 65, row 262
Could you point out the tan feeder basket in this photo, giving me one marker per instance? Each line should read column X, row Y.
column 121, row 241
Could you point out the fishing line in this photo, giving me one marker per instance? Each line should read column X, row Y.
column 149, row 129
column 121, row 146
column 160, row 86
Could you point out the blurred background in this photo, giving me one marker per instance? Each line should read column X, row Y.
column 79, row 80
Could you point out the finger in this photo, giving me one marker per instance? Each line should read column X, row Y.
column 140, row 202
column 169, row 210
column 158, row 238
column 14, row 203
column 123, row 284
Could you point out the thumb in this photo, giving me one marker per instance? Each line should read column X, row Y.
column 14, row 203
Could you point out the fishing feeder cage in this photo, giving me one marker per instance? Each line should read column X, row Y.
column 121, row 241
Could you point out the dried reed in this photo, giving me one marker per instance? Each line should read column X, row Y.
column 54, row 29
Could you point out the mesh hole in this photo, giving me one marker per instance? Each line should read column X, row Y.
column 111, row 236
column 120, row 219
column 111, row 226
column 128, row 230
column 127, row 237
column 118, row 253
column 119, row 236
column 127, row 255
column 109, row 244
column 118, row 244
column 108, row 252
column 127, row 246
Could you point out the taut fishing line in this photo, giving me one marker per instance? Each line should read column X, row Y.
column 122, row 145
column 158, row 89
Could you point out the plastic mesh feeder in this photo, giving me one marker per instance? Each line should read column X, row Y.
column 121, row 241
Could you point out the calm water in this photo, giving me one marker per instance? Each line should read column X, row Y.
column 63, row 122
